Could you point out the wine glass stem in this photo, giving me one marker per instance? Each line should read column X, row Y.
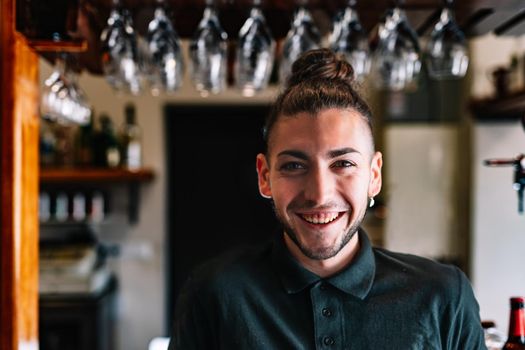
column 61, row 61
column 302, row 3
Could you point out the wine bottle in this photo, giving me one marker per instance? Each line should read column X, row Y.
column 130, row 140
column 516, row 338
column 84, row 144
column 106, row 151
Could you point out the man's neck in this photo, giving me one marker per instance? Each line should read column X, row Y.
column 327, row 267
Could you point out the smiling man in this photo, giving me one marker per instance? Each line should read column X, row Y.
column 320, row 284
column 320, row 169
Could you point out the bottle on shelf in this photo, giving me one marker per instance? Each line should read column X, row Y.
column 84, row 145
column 47, row 145
column 64, row 153
column 516, row 338
column 44, row 206
column 130, row 140
column 79, row 207
column 97, row 207
column 62, row 207
column 105, row 145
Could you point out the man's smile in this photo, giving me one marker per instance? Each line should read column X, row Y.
column 320, row 218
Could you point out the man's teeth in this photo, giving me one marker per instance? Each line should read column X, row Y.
column 323, row 218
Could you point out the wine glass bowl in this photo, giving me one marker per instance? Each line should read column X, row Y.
column 349, row 38
column 208, row 53
column 446, row 51
column 302, row 36
column 120, row 54
column 165, row 64
column 255, row 53
column 396, row 59
column 62, row 100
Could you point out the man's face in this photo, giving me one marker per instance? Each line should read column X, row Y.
column 320, row 171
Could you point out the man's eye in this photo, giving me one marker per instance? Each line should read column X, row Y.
column 343, row 164
column 292, row 166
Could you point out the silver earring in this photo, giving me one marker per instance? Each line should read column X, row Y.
column 372, row 202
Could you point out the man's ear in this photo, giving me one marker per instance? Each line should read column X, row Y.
column 375, row 175
column 263, row 172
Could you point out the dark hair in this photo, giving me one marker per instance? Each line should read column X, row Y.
column 319, row 80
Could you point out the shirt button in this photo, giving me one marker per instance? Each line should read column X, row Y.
column 328, row 341
column 327, row 312
column 322, row 286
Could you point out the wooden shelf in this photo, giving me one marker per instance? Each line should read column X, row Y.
column 506, row 108
column 95, row 175
column 60, row 46
column 99, row 177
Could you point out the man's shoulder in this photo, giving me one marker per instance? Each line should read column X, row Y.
column 420, row 270
column 231, row 267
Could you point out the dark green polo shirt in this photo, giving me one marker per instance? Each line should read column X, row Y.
column 264, row 299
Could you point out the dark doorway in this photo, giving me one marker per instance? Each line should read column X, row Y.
column 213, row 200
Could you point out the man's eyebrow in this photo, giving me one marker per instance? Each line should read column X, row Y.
column 293, row 153
column 340, row 152
column 330, row 154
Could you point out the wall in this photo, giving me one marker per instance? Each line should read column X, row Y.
column 420, row 163
column 498, row 232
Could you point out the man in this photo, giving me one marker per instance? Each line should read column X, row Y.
column 320, row 284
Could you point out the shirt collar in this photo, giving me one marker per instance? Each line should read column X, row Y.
column 356, row 279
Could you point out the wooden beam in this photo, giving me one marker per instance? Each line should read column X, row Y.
column 513, row 22
column 19, row 187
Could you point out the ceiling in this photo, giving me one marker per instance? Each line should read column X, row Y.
column 476, row 17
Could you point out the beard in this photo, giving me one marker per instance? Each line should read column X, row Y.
column 320, row 253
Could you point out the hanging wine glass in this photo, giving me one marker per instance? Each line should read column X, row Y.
column 81, row 108
column 166, row 64
column 54, row 92
column 446, row 52
column 396, row 60
column 302, row 36
column 120, row 56
column 62, row 99
column 255, row 53
column 349, row 38
column 336, row 26
column 208, row 53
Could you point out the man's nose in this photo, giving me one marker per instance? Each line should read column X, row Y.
column 319, row 186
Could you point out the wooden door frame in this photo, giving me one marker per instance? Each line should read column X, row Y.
column 19, row 186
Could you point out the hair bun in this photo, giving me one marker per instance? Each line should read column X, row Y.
column 320, row 64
